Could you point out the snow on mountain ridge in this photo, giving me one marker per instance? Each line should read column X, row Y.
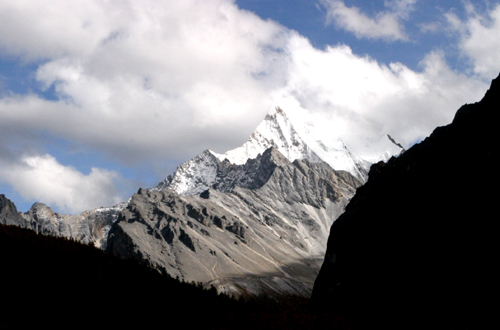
column 276, row 130
column 296, row 141
column 293, row 139
column 194, row 176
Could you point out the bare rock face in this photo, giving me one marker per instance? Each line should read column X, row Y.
column 89, row 227
column 9, row 214
column 251, row 221
column 254, row 220
column 259, row 228
column 294, row 141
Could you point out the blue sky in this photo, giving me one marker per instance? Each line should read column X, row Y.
column 309, row 19
column 100, row 98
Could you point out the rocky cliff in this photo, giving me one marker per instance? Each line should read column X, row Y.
column 89, row 227
column 260, row 228
column 250, row 221
column 294, row 140
column 416, row 244
column 9, row 214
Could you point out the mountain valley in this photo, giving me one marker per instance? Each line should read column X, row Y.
column 252, row 221
column 412, row 247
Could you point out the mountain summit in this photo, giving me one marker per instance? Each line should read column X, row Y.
column 276, row 130
column 294, row 140
column 298, row 140
column 254, row 220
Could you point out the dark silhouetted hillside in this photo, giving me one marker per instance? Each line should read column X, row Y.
column 417, row 245
column 55, row 283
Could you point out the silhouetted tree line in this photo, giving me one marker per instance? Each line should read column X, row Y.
column 55, row 282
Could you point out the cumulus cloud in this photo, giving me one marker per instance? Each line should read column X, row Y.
column 362, row 100
column 149, row 82
column 42, row 178
column 479, row 39
column 150, row 73
column 385, row 25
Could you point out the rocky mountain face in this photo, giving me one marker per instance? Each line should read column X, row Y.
column 9, row 214
column 260, row 228
column 89, row 227
column 251, row 221
column 417, row 244
column 294, row 140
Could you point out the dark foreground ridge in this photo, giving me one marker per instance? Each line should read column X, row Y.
column 55, row 283
column 416, row 247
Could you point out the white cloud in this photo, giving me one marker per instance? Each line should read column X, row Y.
column 137, row 76
column 44, row 179
column 150, row 82
column 431, row 27
column 385, row 25
column 363, row 100
column 401, row 8
column 40, row 30
column 480, row 39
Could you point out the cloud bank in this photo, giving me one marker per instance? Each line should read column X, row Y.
column 150, row 82
column 43, row 178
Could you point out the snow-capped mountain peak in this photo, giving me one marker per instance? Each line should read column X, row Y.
column 292, row 138
column 194, row 176
column 296, row 140
column 276, row 130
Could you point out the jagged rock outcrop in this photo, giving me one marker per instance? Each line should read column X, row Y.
column 9, row 214
column 294, row 140
column 89, row 227
column 259, row 228
column 207, row 171
column 417, row 244
column 253, row 220
column 280, row 178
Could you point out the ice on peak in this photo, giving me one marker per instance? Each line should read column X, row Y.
column 295, row 140
column 276, row 111
column 276, row 130
column 289, row 134
column 196, row 175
